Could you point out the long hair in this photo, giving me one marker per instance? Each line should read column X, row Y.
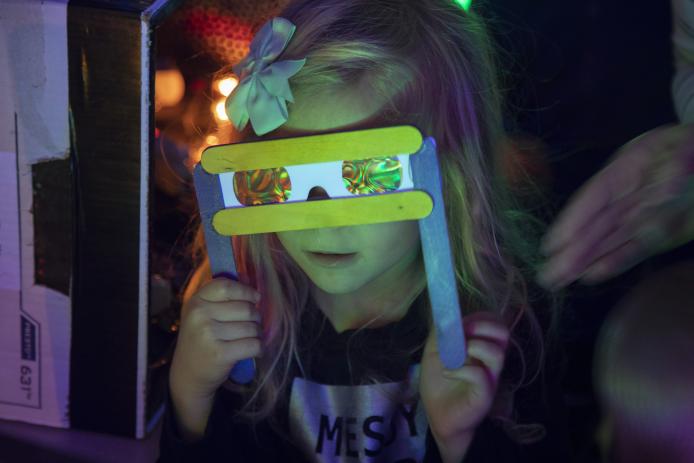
column 434, row 64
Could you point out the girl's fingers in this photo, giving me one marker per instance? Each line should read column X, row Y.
column 488, row 326
column 236, row 311
column 240, row 349
column 487, row 338
column 230, row 331
column 490, row 354
column 474, row 374
column 223, row 289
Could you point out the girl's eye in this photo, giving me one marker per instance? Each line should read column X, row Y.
column 262, row 186
column 375, row 175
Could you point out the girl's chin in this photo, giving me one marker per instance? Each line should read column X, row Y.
column 346, row 285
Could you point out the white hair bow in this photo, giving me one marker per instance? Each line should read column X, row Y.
column 263, row 92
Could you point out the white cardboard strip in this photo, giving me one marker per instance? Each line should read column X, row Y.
column 35, row 325
column 34, row 77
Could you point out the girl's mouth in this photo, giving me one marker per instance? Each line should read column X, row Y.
column 331, row 260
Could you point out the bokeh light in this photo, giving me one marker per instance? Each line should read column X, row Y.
column 464, row 4
column 226, row 85
column 219, row 110
column 169, row 88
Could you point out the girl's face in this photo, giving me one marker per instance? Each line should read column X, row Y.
column 380, row 254
column 379, row 251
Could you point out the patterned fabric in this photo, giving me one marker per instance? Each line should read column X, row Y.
column 224, row 28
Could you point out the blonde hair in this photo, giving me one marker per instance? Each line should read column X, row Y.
column 442, row 61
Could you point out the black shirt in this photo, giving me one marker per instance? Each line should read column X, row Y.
column 334, row 412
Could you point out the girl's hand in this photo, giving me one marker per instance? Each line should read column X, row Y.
column 219, row 327
column 640, row 205
column 456, row 401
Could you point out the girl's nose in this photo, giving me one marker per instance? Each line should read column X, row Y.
column 317, row 193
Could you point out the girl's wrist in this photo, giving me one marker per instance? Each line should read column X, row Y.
column 191, row 413
column 454, row 448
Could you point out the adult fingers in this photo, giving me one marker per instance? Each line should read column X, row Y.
column 600, row 238
column 622, row 176
column 614, row 263
column 654, row 223
column 652, row 235
column 589, row 201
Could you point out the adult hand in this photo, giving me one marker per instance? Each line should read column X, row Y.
column 639, row 205
column 456, row 401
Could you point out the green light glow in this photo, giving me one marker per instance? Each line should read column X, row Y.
column 464, row 4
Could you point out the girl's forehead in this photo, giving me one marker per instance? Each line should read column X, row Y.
column 346, row 110
column 375, row 121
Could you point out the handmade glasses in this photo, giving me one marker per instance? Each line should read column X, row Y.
column 338, row 178
column 263, row 187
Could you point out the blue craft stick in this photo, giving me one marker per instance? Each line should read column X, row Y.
column 219, row 250
column 438, row 260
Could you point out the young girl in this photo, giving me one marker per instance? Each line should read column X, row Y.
column 347, row 363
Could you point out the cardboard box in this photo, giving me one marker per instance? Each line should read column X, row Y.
column 76, row 127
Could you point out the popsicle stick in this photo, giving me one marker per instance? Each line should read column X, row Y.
column 219, row 250
column 358, row 144
column 438, row 261
column 336, row 212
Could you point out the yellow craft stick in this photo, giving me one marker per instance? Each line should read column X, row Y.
column 360, row 144
column 337, row 212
